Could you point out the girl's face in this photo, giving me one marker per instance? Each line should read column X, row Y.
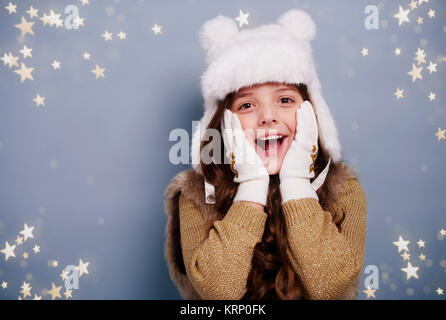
column 267, row 113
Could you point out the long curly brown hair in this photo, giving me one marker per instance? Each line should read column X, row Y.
column 272, row 276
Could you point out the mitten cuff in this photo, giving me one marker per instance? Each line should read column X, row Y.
column 253, row 191
column 297, row 188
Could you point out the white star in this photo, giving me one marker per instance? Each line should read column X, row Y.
column 431, row 13
column 415, row 73
column 242, row 18
column 107, row 35
column 27, row 232
column 432, row 67
column 365, row 52
column 11, row 8
column 439, row 291
column 56, row 64
column 402, row 16
column 420, row 243
column 410, row 271
column 432, row 96
column 26, row 52
column 399, row 93
column 397, row 51
column 32, row 12
column 401, row 244
column 413, row 4
column 8, row 251
column 156, row 29
column 86, row 56
column 82, row 267
column 4, row 285
column 99, row 72
column 421, row 1
column 122, row 35
column 420, row 56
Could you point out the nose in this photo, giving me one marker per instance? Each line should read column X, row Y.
column 267, row 116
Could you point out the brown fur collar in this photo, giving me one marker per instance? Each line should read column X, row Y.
column 191, row 185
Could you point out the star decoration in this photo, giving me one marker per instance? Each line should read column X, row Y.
column 431, row 13
column 432, row 96
column 4, row 285
column 415, row 73
column 420, row 20
column 401, row 244
column 410, row 271
column 439, row 291
column 122, row 35
column 36, row 248
column 82, row 267
column 40, row 101
column 99, row 72
column 67, row 293
column 107, row 35
column 156, row 29
column 78, row 22
column 420, row 56
column 442, row 231
column 11, row 8
column 86, row 56
column 54, row 292
column 402, row 16
column 26, row 52
column 54, row 263
column 25, row 27
column 365, row 52
column 10, row 59
column 421, row 243
column 369, row 292
column 399, row 93
column 242, row 18
column 52, row 19
column 84, row 2
column 36, row 297
column 56, row 64
column 432, row 67
column 64, row 274
column 8, row 251
column 25, row 73
column 397, row 51
column 32, row 12
column 26, row 289
column 422, row 257
column 413, row 5
column 27, row 232
column 19, row 240
column 406, row 256
column 421, row 1
column 440, row 134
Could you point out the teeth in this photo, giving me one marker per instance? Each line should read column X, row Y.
column 270, row 138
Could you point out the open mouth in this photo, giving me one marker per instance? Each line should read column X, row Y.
column 270, row 144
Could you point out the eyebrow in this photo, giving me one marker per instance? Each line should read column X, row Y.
column 241, row 95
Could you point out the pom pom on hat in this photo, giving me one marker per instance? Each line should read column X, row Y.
column 217, row 30
column 299, row 24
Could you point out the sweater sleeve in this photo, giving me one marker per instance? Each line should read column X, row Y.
column 326, row 260
column 218, row 261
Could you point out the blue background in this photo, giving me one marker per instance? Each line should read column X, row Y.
column 88, row 170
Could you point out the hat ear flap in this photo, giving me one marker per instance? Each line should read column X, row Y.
column 217, row 30
column 299, row 24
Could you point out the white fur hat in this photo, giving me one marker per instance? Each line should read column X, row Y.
column 276, row 52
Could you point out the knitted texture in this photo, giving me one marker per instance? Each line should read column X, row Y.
column 327, row 261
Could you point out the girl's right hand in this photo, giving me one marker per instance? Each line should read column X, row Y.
column 249, row 170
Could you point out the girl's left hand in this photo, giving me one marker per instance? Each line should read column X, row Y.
column 298, row 165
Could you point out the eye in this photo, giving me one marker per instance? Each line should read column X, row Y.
column 287, row 100
column 245, row 106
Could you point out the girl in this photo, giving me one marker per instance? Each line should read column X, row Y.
column 279, row 215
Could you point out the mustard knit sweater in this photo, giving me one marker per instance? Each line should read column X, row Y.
column 327, row 261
